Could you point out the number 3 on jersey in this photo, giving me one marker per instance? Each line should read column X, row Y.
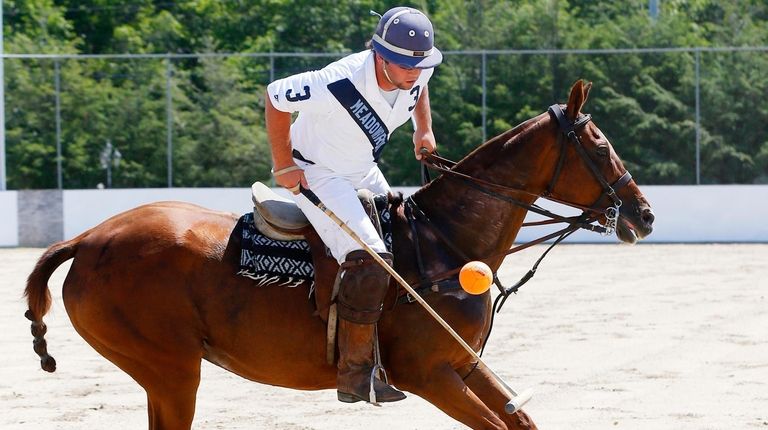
column 415, row 93
column 298, row 97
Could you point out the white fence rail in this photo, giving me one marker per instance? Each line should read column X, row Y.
column 709, row 213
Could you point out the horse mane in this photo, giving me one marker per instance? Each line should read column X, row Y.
column 518, row 133
column 395, row 200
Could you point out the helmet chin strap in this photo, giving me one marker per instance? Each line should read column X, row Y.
column 386, row 75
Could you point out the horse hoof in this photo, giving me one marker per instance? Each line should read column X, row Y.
column 48, row 363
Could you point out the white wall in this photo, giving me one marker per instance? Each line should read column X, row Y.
column 84, row 209
column 717, row 213
column 9, row 220
column 706, row 213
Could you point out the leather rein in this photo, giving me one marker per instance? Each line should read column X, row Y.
column 567, row 134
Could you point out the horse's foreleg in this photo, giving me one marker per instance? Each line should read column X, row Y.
column 485, row 386
column 444, row 388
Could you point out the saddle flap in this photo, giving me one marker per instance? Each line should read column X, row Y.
column 276, row 210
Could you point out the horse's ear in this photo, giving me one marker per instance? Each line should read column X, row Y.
column 579, row 94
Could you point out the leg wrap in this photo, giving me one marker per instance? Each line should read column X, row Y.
column 362, row 287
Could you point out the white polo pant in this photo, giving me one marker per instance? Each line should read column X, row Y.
column 339, row 194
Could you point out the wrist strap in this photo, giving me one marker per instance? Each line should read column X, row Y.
column 277, row 173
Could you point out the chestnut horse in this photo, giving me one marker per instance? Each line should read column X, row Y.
column 154, row 289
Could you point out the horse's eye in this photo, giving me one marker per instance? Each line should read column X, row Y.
column 602, row 151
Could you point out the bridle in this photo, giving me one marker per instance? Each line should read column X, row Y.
column 567, row 134
column 447, row 281
column 568, row 130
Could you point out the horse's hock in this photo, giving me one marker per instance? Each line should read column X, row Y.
column 41, row 219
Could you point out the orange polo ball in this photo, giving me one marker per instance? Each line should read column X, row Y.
column 475, row 277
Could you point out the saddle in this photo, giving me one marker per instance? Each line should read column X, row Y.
column 281, row 219
column 275, row 216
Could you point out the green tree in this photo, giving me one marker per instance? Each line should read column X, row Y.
column 32, row 26
column 220, row 137
column 644, row 102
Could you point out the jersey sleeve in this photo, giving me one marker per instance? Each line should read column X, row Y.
column 303, row 92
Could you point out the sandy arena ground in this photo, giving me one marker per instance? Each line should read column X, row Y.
column 609, row 336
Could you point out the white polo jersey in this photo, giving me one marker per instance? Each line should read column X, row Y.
column 344, row 120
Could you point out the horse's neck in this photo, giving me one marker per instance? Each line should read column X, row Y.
column 478, row 223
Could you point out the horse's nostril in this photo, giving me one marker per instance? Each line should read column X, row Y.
column 648, row 216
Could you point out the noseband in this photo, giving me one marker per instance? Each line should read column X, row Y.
column 568, row 134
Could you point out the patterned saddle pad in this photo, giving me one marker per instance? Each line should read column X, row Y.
column 287, row 263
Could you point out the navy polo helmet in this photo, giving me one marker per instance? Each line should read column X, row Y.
column 405, row 37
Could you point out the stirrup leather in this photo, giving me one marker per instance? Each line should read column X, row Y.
column 372, row 392
column 377, row 367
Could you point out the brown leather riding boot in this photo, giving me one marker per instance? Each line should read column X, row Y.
column 361, row 293
column 356, row 377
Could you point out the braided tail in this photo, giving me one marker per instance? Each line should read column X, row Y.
column 39, row 296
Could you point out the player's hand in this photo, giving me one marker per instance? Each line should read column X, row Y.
column 423, row 139
column 290, row 177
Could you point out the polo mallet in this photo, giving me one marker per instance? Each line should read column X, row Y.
column 516, row 401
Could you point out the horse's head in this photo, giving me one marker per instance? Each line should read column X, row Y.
column 561, row 156
column 589, row 173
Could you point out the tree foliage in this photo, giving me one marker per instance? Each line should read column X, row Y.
column 644, row 102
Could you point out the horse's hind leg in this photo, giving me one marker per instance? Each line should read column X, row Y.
column 171, row 390
column 170, row 382
column 171, row 397
column 485, row 386
column 444, row 388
